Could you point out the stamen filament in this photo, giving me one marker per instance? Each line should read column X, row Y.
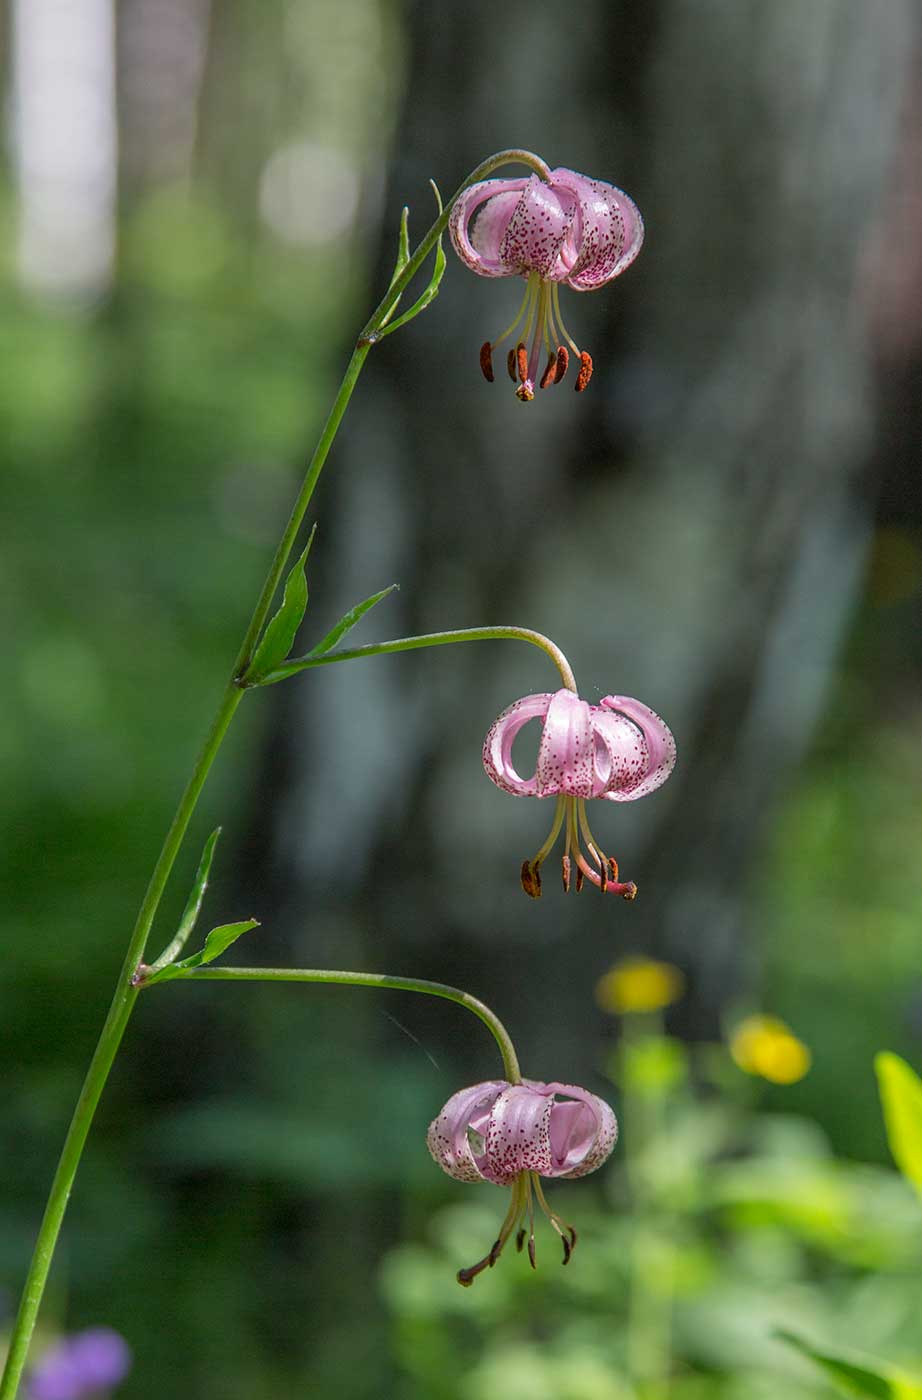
column 523, row 304
column 513, row 1216
column 554, row 833
column 555, row 297
column 566, row 1232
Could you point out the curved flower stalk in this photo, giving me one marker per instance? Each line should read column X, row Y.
column 569, row 229
column 513, row 1134
column 618, row 749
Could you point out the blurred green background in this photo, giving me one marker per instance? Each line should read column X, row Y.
column 199, row 205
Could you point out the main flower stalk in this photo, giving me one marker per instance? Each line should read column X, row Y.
column 125, row 994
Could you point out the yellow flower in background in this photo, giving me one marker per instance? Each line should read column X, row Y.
column 765, row 1046
column 639, row 984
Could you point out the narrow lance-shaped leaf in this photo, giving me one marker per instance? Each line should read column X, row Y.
column 220, row 939
column 863, row 1378
column 193, row 903
column 431, row 291
column 403, row 257
column 217, row 941
column 348, row 621
column 901, row 1097
column 278, row 638
column 336, row 634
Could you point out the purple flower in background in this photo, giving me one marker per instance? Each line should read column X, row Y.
column 571, row 229
column 618, row 749
column 84, row 1365
column 510, row 1134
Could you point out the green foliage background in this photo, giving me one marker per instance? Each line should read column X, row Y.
column 256, row 1212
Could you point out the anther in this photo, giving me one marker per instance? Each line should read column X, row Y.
column 486, row 361
column 567, row 1249
column 549, row 376
column 520, row 1239
column 495, row 1252
column 531, row 1251
column 603, row 875
column 531, row 880
column 466, row 1276
column 565, row 872
column 563, row 362
column 613, row 867
column 585, row 371
column 510, row 365
column 579, row 879
column 521, row 360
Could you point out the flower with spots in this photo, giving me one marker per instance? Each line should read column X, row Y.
column 567, row 229
column 84, row 1366
column 512, row 1134
column 618, row 749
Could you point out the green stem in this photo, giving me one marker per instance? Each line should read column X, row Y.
column 366, row 339
column 429, row 639
column 109, row 1040
column 125, row 994
column 368, row 979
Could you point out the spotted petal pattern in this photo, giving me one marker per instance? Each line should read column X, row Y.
column 572, row 229
column 657, row 742
column 620, row 749
column 553, row 1129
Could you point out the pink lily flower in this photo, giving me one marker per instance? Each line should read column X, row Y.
column 510, row 1135
column 572, row 229
column 618, row 749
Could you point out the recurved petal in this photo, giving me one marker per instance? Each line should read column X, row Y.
column 497, row 746
column 567, row 749
column 621, row 754
column 607, row 232
column 480, row 247
column 538, row 228
column 465, row 1116
column 518, row 1137
column 657, row 737
column 583, row 1131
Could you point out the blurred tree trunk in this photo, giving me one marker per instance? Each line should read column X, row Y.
column 691, row 530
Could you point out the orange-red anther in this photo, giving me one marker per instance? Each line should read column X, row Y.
column 521, row 360
column 486, row 361
column 563, row 363
column 585, row 371
column 510, row 365
column 531, row 880
column 549, row 375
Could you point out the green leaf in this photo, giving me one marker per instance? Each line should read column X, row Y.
column 193, row 904
column 278, row 638
column 431, row 292
column 220, row 939
column 348, row 621
column 901, row 1098
column 197, row 893
column 336, row 634
column 403, row 257
column 869, row 1377
column 216, row 942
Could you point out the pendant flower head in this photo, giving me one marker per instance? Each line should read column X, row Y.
column 512, row 1134
column 569, row 229
column 618, row 749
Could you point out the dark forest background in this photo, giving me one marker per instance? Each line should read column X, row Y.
column 199, row 204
